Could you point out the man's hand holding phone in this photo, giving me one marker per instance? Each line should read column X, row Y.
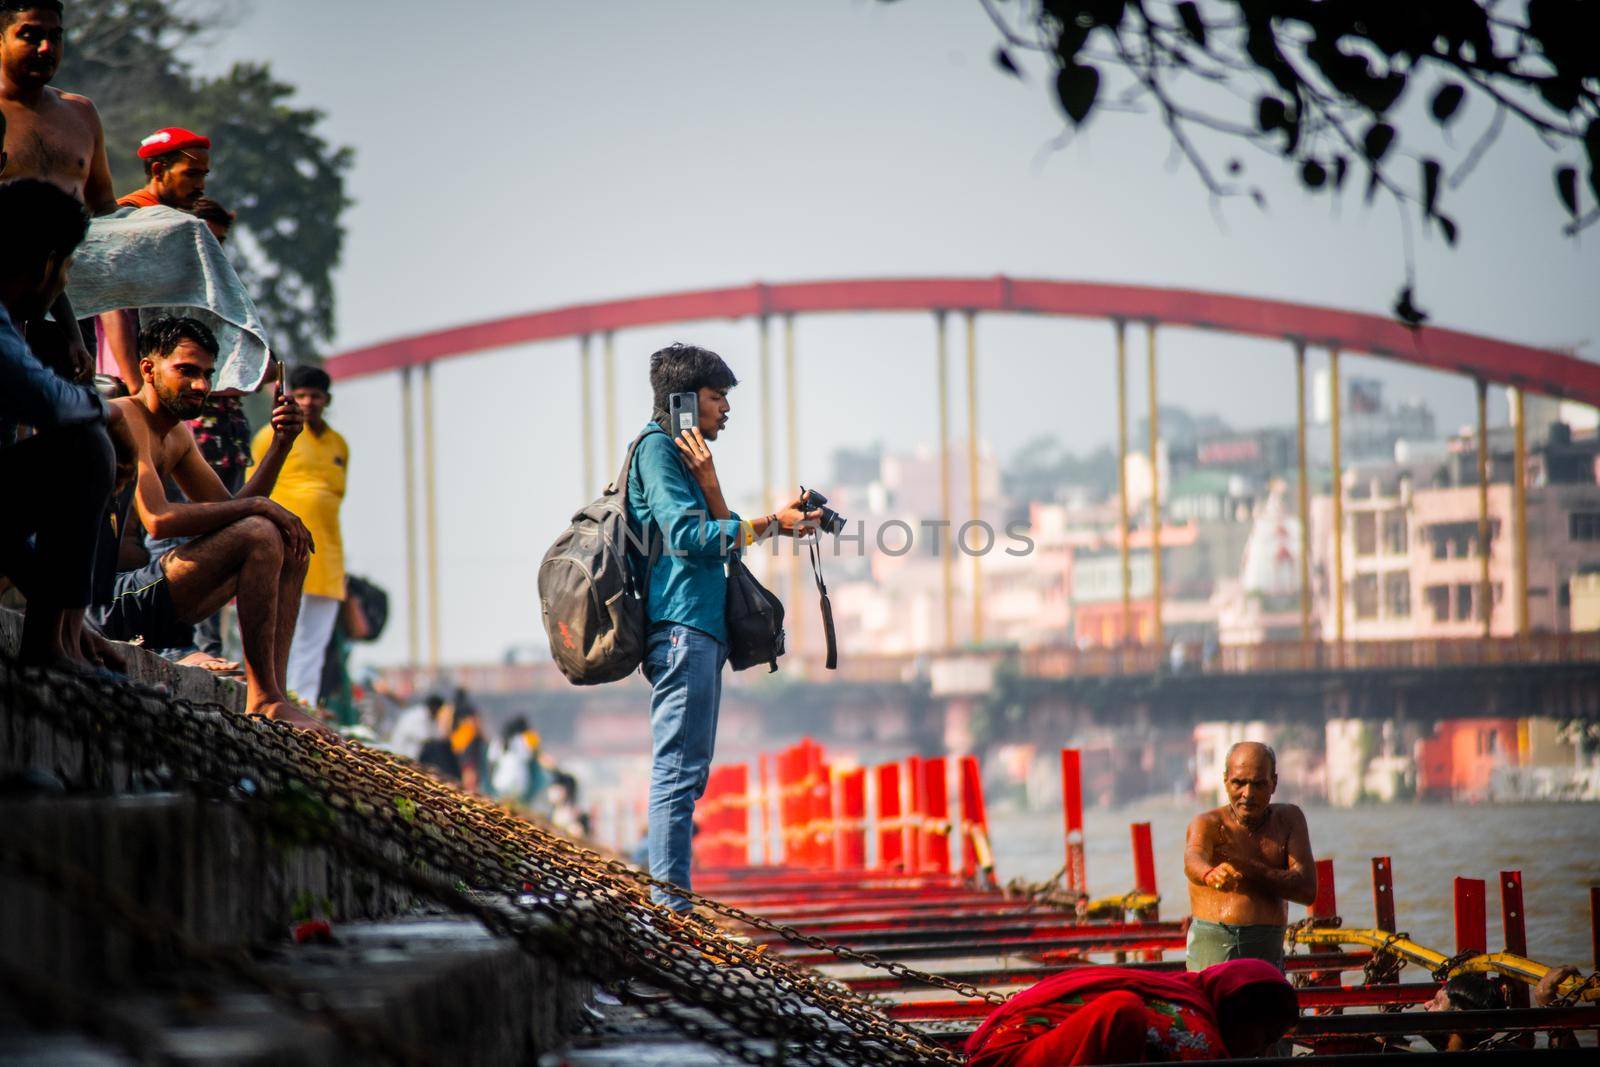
column 287, row 418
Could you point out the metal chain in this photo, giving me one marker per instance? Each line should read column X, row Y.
column 1443, row 972
column 1383, row 967
column 551, row 891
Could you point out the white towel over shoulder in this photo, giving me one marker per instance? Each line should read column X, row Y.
column 162, row 261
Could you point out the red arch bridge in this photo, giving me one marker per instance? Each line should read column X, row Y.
column 1485, row 360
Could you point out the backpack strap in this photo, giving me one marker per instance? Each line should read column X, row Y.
column 621, row 486
column 621, row 482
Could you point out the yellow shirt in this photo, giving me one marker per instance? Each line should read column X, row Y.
column 311, row 486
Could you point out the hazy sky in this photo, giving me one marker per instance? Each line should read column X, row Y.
column 516, row 154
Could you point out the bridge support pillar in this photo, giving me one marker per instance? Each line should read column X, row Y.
column 1337, row 463
column 1157, row 631
column 408, row 461
column 585, row 403
column 947, row 560
column 430, row 517
column 972, row 471
column 610, row 369
column 792, row 424
column 1519, row 498
column 1122, row 479
column 1485, row 587
column 1303, row 491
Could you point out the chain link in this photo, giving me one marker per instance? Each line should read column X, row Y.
column 556, row 898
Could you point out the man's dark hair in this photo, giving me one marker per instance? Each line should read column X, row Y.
column 162, row 336
column 517, row 724
column 169, row 158
column 434, row 702
column 309, row 377
column 208, row 210
column 10, row 9
column 1474, row 992
column 681, row 368
column 42, row 220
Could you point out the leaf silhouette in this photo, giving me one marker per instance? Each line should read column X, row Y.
column 1406, row 310
column 1377, row 141
column 1193, row 24
column 1076, row 87
column 1446, row 101
column 1567, row 187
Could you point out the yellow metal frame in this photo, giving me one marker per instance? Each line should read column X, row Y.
column 1101, row 907
column 1402, row 947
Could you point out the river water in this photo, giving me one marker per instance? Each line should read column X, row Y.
column 1555, row 846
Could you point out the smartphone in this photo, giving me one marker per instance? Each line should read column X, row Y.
column 280, row 387
column 683, row 412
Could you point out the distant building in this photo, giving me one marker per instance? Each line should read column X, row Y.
column 1412, row 557
column 1369, row 428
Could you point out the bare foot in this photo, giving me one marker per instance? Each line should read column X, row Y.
column 99, row 650
column 206, row 661
column 294, row 715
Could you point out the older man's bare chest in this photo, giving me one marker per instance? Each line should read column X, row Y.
column 1267, row 843
column 53, row 142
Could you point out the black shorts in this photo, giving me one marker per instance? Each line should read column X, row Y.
column 141, row 606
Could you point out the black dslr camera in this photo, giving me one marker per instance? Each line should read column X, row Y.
column 831, row 521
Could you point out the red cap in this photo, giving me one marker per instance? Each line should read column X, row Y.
column 171, row 139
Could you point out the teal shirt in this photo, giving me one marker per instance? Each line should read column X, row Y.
column 688, row 584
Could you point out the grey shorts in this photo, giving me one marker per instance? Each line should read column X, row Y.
column 1211, row 943
column 141, row 606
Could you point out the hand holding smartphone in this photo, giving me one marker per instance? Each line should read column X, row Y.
column 683, row 413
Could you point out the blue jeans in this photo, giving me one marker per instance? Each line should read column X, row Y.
column 684, row 667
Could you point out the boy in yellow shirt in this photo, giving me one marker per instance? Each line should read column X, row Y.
column 311, row 486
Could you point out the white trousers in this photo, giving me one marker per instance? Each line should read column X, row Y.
column 310, row 646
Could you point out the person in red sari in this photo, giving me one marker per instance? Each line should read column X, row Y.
column 1099, row 1015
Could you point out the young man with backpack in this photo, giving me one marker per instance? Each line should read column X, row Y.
column 675, row 500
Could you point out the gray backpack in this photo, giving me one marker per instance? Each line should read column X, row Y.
column 592, row 591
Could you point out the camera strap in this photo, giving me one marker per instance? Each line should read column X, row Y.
column 832, row 661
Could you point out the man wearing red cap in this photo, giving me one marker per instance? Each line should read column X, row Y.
column 176, row 163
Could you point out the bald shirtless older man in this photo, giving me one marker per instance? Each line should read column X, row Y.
column 1245, row 861
column 50, row 135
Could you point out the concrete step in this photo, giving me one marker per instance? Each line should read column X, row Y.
column 621, row 1035
column 445, row 988
column 224, row 881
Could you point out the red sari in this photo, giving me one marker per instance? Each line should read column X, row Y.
column 1097, row 1015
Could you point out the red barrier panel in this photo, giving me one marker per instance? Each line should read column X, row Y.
column 1513, row 922
column 819, row 807
column 1144, row 860
column 891, row 826
column 1383, row 894
column 1077, row 877
column 1594, row 923
column 1326, row 906
column 764, row 800
column 1472, row 926
column 936, row 816
column 850, row 820
column 722, row 818
column 974, row 821
column 915, row 813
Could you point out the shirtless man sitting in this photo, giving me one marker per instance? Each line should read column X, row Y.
column 54, row 136
column 1245, row 862
column 244, row 545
